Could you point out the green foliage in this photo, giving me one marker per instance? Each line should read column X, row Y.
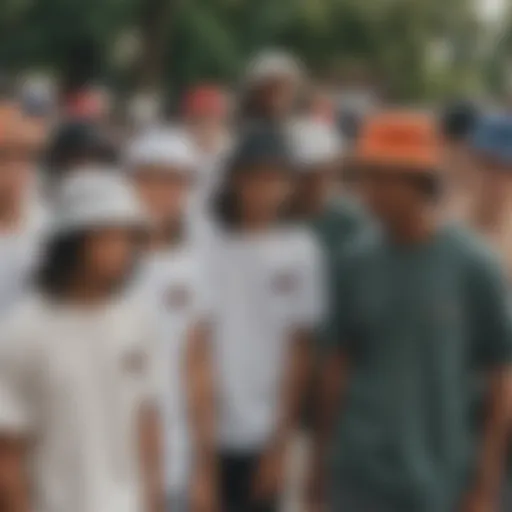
column 212, row 39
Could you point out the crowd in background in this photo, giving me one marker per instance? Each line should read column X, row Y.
column 280, row 299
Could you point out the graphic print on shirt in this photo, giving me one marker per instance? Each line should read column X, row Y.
column 285, row 283
column 178, row 297
column 134, row 362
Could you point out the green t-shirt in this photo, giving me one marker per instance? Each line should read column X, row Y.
column 419, row 323
column 336, row 228
column 338, row 224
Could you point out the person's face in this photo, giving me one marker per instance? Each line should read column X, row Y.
column 279, row 96
column 164, row 192
column 495, row 179
column 109, row 254
column 207, row 131
column 16, row 173
column 458, row 158
column 317, row 185
column 263, row 193
column 389, row 196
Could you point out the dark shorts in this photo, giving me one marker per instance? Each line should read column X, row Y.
column 345, row 499
column 237, row 472
column 507, row 497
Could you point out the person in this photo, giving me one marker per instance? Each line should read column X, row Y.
column 320, row 105
column 421, row 310
column 270, row 88
column 75, row 146
column 335, row 216
column 162, row 164
column 491, row 214
column 266, row 276
column 22, row 217
column 458, row 122
column 79, row 371
column 206, row 116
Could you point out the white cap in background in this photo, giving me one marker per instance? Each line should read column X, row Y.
column 313, row 144
column 272, row 64
column 168, row 149
column 95, row 199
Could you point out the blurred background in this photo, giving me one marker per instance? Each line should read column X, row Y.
column 403, row 50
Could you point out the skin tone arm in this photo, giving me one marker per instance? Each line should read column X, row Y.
column 332, row 387
column 151, row 450
column 485, row 494
column 270, row 474
column 201, row 407
column 14, row 494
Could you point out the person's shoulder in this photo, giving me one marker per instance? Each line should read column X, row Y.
column 23, row 327
column 134, row 313
column 361, row 249
column 299, row 240
column 348, row 209
column 468, row 242
column 472, row 249
column 189, row 263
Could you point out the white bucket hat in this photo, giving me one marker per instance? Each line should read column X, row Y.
column 313, row 144
column 272, row 64
column 94, row 199
column 165, row 148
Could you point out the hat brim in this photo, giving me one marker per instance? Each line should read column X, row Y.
column 135, row 222
column 396, row 163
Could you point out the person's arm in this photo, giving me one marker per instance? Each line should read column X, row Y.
column 329, row 398
column 334, row 375
column 151, row 458
column 493, row 345
column 269, row 478
column 14, row 488
column 149, row 421
column 492, row 456
column 199, row 383
column 18, row 388
column 309, row 309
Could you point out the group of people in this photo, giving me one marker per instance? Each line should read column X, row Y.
column 177, row 307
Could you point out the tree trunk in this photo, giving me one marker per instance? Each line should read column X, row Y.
column 155, row 23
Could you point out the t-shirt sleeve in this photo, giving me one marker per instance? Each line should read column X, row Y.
column 16, row 376
column 492, row 314
column 340, row 330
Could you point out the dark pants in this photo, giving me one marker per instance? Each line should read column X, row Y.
column 346, row 499
column 237, row 472
column 507, row 497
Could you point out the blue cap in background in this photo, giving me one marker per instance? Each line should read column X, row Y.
column 492, row 138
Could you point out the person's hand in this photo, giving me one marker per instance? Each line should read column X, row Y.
column 204, row 495
column 270, row 474
column 315, row 486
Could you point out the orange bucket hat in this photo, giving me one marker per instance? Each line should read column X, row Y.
column 403, row 140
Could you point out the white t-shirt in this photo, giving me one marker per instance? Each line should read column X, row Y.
column 20, row 252
column 264, row 288
column 73, row 382
column 172, row 286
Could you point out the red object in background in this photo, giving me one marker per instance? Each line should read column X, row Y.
column 322, row 109
column 87, row 104
column 205, row 101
